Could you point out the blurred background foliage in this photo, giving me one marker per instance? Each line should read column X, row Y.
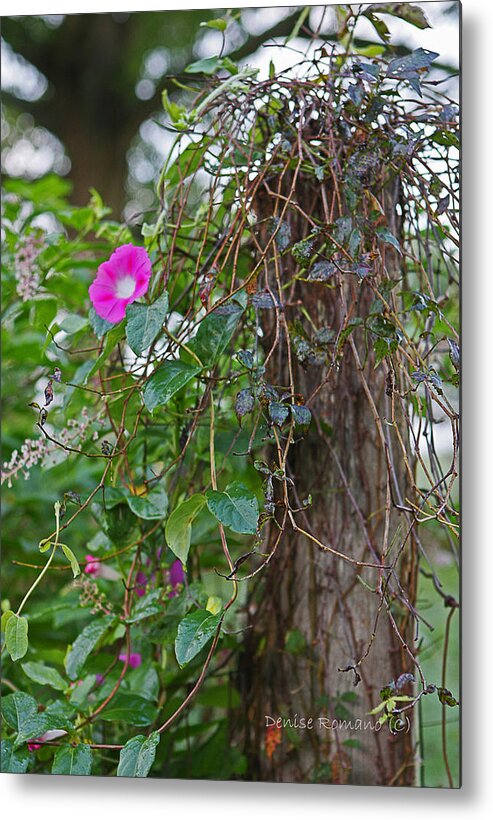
column 82, row 93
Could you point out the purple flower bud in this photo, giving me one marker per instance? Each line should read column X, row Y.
column 176, row 574
column 134, row 659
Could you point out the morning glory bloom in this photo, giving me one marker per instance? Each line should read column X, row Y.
column 120, row 281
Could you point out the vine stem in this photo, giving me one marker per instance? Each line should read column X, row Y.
column 46, row 566
column 224, row 542
column 444, row 706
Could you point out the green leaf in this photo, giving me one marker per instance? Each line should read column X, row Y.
column 446, row 138
column 152, row 506
column 282, row 231
column 17, row 708
column 388, row 237
column 244, row 403
column 69, row 555
column 278, row 412
column 167, row 380
column 236, row 508
column 146, row 607
column 176, row 113
column 214, row 604
column 445, row 696
column 14, row 761
column 137, row 756
column 78, row 696
column 302, row 251
column 84, row 644
column 44, row 675
column 6, row 616
column 178, row 529
column 16, row 636
column 194, row 632
column 378, row 25
column 378, row 708
column 246, row 358
column 301, row 416
column 49, row 192
column 144, row 323
column 99, row 325
column 211, row 65
column 132, row 709
column 408, row 66
column 120, row 524
column 144, row 681
column 406, row 11
column 20, row 711
column 72, row 760
column 219, row 24
column 214, row 334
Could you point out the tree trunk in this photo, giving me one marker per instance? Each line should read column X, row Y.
column 314, row 613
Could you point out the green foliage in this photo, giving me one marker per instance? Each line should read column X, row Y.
column 84, row 644
column 42, row 674
column 73, row 760
column 178, row 529
column 144, row 323
column 194, row 632
column 236, row 507
column 16, row 638
column 214, row 334
column 167, row 380
column 131, row 709
column 137, row 756
column 14, row 761
column 20, row 712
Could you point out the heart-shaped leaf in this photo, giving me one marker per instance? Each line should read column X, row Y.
column 236, row 508
column 194, row 631
column 178, row 529
column 137, row 756
column 144, row 323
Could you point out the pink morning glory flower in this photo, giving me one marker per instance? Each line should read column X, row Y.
column 51, row 734
column 120, row 281
column 93, row 566
column 134, row 659
column 98, row 569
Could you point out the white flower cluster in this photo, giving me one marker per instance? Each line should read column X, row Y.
column 32, row 451
column 27, row 272
column 35, row 450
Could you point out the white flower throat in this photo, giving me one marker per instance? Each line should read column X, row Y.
column 125, row 287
